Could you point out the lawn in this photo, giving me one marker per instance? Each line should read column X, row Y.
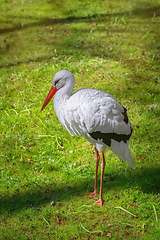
column 46, row 173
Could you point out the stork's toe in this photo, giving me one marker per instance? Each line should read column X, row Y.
column 99, row 202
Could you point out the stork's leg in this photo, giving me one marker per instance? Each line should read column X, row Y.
column 97, row 158
column 99, row 202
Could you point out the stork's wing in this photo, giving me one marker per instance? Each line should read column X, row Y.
column 105, row 114
column 107, row 122
column 96, row 111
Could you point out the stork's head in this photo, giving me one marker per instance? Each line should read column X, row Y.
column 61, row 79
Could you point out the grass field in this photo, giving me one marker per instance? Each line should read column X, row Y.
column 45, row 173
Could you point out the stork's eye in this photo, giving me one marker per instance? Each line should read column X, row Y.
column 56, row 82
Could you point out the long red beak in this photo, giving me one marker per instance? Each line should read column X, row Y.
column 50, row 95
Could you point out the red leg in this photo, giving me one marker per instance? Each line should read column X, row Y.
column 99, row 202
column 97, row 158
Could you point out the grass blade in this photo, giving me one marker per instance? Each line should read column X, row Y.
column 92, row 231
column 126, row 211
column 155, row 212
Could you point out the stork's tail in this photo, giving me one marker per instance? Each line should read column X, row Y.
column 121, row 149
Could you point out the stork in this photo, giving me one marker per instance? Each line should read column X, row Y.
column 95, row 115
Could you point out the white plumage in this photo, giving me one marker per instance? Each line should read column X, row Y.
column 94, row 114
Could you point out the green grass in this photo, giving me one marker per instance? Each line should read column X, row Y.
column 45, row 172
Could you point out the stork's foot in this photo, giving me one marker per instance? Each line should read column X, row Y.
column 92, row 194
column 99, row 202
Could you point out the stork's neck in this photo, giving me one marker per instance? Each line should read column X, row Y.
column 61, row 101
column 64, row 93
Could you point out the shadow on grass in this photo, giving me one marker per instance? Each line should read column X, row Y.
column 68, row 48
column 142, row 12
column 147, row 179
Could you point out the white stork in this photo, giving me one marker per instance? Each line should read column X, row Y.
column 94, row 114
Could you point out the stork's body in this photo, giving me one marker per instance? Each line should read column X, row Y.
column 94, row 114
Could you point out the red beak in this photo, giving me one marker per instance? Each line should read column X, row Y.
column 50, row 95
